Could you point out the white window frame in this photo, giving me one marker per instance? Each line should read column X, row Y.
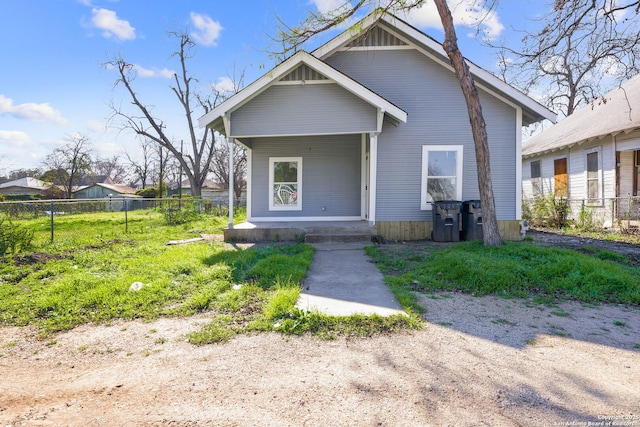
column 272, row 205
column 598, row 200
column 425, row 205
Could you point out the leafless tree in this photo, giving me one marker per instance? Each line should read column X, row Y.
column 196, row 159
column 291, row 37
column 220, row 166
column 66, row 165
column 112, row 168
column 585, row 47
column 141, row 169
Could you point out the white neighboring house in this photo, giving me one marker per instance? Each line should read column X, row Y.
column 25, row 186
column 592, row 158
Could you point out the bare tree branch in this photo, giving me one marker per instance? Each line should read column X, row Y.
column 585, row 48
column 196, row 159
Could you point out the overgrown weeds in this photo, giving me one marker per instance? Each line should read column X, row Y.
column 516, row 269
column 95, row 273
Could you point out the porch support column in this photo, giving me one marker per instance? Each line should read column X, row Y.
column 231, row 183
column 373, row 176
column 518, row 159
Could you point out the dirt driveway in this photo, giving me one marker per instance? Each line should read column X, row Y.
column 479, row 361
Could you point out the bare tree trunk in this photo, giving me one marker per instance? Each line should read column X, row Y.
column 490, row 229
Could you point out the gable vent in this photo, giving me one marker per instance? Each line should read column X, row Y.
column 303, row 72
column 376, row 37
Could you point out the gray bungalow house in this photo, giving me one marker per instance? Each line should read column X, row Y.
column 591, row 158
column 371, row 128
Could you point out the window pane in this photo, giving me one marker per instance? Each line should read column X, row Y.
column 442, row 163
column 285, row 172
column 592, row 189
column 536, row 185
column 592, row 162
column 535, row 169
column 285, row 194
column 441, row 189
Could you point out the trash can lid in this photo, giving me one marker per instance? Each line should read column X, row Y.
column 447, row 204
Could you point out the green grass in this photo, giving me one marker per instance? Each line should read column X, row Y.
column 516, row 269
column 86, row 276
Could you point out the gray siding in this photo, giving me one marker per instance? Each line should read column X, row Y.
column 330, row 174
column 437, row 115
column 303, row 109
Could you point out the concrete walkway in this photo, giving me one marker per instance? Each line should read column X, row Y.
column 342, row 281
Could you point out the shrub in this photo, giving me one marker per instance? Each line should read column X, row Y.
column 14, row 238
column 148, row 193
column 181, row 216
column 547, row 211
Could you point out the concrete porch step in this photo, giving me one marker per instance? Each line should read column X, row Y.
column 309, row 231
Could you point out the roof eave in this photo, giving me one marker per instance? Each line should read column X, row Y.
column 215, row 118
column 532, row 110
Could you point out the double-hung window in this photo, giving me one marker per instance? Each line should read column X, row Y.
column 441, row 174
column 593, row 175
column 536, row 178
column 285, row 183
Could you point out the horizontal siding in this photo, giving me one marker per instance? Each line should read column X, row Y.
column 330, row 174
column 437, row 115
column 303, row 110
column 576, row 165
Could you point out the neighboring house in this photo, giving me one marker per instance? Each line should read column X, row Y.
column 373, row 127
column 100, row 190
column 591, row 158
column 25, row 186
column 210, row 191
column 114, row 194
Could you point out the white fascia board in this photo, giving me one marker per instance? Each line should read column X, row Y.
column 475, row 70
column 346, row 36
column 330, row 47
column 290, row 64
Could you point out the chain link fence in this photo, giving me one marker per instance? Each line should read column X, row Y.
column 53, row 220
column 619, row 213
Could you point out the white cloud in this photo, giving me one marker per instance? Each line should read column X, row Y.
column 96, row 126
column 466, row 13
column 153, row 72
column 31, row 111
column 15, row 138
column 326, row 6
column 208, row 29
column 224, row 85
column 113, row 26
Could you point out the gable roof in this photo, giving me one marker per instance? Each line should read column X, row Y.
column 218, row 115
column 27, row 182
column 118, row 188
column 616, row 112
column 532, row 111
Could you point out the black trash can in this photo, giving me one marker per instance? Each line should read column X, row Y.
column 472, row 220
column 446, row 221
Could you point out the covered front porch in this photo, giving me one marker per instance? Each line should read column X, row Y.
column 301, row 231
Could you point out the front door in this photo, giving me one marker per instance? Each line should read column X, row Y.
column 560, row 178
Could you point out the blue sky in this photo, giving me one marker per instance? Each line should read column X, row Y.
column 53, row 84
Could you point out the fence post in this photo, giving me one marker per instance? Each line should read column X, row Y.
column 126, row 217
column 52, row 207
column 629, row 214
